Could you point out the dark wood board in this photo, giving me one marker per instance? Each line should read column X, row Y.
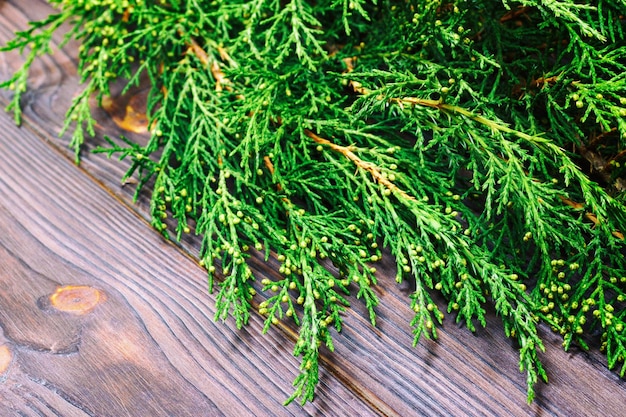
column 150, row 347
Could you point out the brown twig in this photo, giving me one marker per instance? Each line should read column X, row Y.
column 221, row 81
column 368, row 166
column 514, row 14
column 198, row 52
column 589, row 216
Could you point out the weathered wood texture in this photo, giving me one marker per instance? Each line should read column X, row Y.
column 135, row 334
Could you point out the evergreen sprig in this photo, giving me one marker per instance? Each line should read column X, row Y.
column 450, row 135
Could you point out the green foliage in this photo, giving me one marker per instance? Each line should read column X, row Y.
column 345, row 131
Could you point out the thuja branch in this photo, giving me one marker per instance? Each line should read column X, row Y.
column 341, row 132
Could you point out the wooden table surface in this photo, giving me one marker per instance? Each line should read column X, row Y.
column 101, row 316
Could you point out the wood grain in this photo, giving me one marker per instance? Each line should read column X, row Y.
column 151, row 348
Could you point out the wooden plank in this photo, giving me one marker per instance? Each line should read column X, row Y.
column 134, row 335
column 461, row 374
